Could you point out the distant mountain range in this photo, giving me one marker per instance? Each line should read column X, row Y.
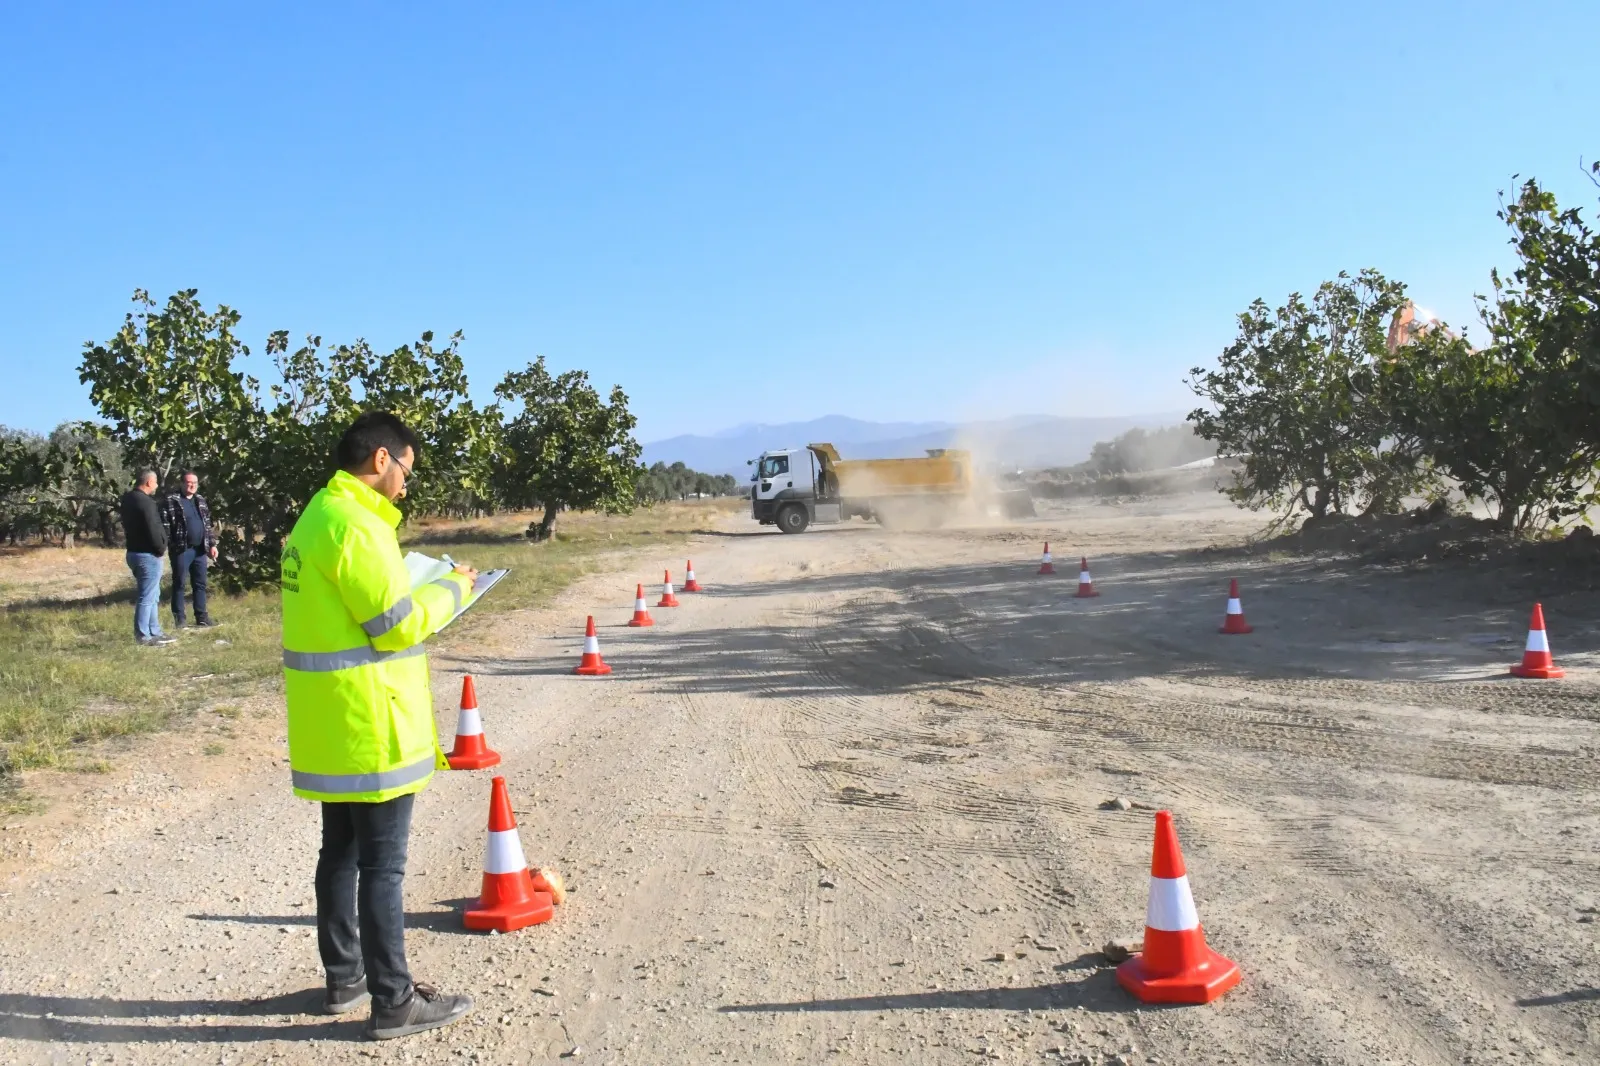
column 1028, row 441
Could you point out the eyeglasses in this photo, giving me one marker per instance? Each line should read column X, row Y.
column 403, row 467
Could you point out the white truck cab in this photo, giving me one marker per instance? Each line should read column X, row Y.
column 790, row 489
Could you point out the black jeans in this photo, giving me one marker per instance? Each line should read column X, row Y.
column 190, row 564
column 369, row 838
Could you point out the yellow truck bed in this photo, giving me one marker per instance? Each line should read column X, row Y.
column 941, row 472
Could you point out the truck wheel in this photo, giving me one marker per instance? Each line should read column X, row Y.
column 793, row 519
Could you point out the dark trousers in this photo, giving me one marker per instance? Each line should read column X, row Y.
column 359, row 873
column 190, row 564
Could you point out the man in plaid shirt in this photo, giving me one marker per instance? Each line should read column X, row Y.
column 192, row 543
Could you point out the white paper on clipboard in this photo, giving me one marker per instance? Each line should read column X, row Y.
column 424, row 569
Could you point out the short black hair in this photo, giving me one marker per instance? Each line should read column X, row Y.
column 371, row 431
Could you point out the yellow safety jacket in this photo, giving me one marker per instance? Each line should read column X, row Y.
column 354, row 673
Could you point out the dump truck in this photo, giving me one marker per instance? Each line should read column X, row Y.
column 796, row 487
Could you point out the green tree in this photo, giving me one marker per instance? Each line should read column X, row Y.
column 563, row 447
column 167, row 383
column 53, row 488
column 1517, row 422
column 1295, row 396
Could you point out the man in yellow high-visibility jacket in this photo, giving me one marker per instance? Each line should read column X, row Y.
column 361, row 731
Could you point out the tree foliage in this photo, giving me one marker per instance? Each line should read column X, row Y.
column 564, row 448
column 172, row 389
column 55, row 488
column 1295, row 395
column 1138, row 450
column 1326, row 416
column 660, row 483
column 1517, row 422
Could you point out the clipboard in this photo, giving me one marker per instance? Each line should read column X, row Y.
column 424, row 569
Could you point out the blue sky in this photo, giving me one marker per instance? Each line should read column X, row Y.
column 769, row 212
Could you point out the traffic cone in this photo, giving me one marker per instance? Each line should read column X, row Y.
column 1176, row 966
column 689, row 583
column 641, row 612
column 591, row 665
column 1536, row 660
column 470, row 751
column 667, row 598
column 1085, row 582
column 509, row 900
column 1234, row 621
column 1046, row 566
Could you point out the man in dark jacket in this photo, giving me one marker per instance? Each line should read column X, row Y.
column 193, row 545
column 146, row 540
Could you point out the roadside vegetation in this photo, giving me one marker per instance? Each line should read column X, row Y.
column 1346, row 403
column 71, row 675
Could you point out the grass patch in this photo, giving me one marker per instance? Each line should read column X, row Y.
column 70, row 673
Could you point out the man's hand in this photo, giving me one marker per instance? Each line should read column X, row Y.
column 213, row 553
column 470, row 574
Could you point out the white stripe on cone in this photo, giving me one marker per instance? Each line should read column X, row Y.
column 1171, row 907
column 638, row 604
column 591, row 645
column 668, row 591
column 505, row 853
column 469, row 724
column 1047, row 558
column 1233, row 606
column 1084, row 579
column 688, row 577
column 1538, row 640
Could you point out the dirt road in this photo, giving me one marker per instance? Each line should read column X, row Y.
column 845, row 807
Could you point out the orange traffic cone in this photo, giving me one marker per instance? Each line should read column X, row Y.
column 509, row 900
column 667, row 598
column 689, row 583
column 1536, row 660
column 1046, row 566
column 1176, row 966
column 591, row 665
column 1085, row 582
column 1234, row 621
column 641, row 612
column 470, row 751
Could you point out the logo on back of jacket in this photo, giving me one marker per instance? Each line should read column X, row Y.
column 291, row 569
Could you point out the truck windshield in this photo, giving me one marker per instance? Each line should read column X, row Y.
column 773, row 465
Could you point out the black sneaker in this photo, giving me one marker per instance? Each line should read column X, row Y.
column 428, row 1008
column 204, row 623
column 340, row 1000
column 158, row 642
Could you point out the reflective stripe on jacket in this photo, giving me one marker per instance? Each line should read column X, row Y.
column 355, row 675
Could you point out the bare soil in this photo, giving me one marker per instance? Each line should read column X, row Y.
column 845, row 806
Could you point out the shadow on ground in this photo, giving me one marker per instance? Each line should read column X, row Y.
column 1157, row 617
column 67, row 1019
column 1098, row 992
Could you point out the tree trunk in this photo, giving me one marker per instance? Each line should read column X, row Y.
column 542, row 530
column 1319, row 503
